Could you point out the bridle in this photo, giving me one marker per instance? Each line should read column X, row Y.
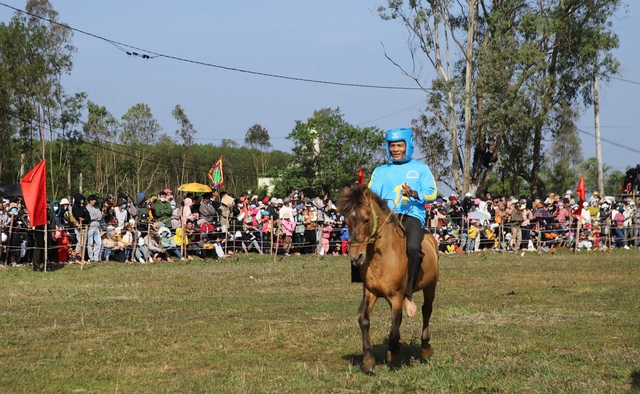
column 375, row 231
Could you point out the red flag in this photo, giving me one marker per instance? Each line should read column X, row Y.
column 580, row 191
column 360, row 176
column 34, row 191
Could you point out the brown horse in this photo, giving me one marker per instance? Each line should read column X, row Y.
column 378, row 247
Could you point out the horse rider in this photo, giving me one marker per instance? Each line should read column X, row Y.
column 407, row 185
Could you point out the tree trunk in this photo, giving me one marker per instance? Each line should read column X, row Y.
column 596, row 118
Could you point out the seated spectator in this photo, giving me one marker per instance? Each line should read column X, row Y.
column 212, row 242
column 111, row 244
column 168, row 244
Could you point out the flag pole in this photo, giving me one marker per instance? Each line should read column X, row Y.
column 46, row 244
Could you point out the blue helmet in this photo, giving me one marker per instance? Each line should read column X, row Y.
column 396, row 135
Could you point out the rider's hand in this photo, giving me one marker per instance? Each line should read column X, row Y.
column 407, row 192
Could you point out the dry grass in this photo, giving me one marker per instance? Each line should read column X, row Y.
column 501, row 323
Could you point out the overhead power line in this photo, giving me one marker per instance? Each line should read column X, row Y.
column 625, row 80
column 611, row 142
column 386, row 116
column 151, row 54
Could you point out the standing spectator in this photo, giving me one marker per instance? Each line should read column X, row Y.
column 94, row 240
column 618, row 229
column 310, row 224
column 176, row 213
column 455, row 211
column 208, row 211
column 516, row 218
column 265, row 231
column 326, row 234
column 120, row 213
column 187, row 213
column 298, row 232
column 162, row 209
column 287, row 225
column 344, row 238
column 525, row 226
column 472, row 236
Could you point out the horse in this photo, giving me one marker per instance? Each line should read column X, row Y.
column 378, row 248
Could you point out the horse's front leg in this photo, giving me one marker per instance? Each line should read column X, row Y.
column 368, row 301
column 394, row 334
column 425, row 347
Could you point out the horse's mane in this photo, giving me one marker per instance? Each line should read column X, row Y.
column 352, row 198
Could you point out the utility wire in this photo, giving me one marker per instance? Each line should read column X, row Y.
column 386, row 116
column 119, row 45
column 625, row 80
column 611, row 142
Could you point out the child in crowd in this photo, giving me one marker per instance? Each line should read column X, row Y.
column 326, row 234
column 344, row 238
column 472, row 235
column 168, row 244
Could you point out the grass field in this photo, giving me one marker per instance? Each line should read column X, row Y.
column 501, row 323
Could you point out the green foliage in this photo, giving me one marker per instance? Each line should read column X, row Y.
column 257, row 137
column 613, row 182
column 328, row 153
column 186, row 131
column 514, row 73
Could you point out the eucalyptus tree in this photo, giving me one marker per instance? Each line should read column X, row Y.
column 102, row 132
column 185, row 133
column 505, row 68
column 257, row 137
column 140, row 131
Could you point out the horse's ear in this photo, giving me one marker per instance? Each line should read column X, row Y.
column 367, row 193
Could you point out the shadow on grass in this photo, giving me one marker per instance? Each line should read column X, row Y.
column 635, row 380
column 409, row 353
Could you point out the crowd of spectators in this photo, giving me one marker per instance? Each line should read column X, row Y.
column 510, row 224
column 164, row 227
column 215, row 225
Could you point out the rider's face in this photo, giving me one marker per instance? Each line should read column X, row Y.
column 398, row 149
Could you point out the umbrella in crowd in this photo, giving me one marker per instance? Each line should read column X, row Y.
column 11, row 190
column 479, row 215
column 542, row 213
column 194, row 187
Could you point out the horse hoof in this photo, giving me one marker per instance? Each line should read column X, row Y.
column 426, row 353
column 368, row 364
column 391, row 358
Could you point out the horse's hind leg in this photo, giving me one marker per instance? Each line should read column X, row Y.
column 394, row 334
column 429, row 294
column 368, row 301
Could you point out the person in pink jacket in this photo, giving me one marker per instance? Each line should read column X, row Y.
column 326, row 234
column 287, row 225
column 186, row 210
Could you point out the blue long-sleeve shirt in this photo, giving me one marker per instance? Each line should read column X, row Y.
column 387, row 180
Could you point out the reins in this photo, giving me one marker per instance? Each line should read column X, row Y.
column 374, row 230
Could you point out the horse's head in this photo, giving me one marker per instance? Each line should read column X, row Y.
column 357, row 205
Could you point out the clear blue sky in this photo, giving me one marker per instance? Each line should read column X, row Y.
column 332, row 40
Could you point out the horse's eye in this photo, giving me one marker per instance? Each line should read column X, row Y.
column 366, row 221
